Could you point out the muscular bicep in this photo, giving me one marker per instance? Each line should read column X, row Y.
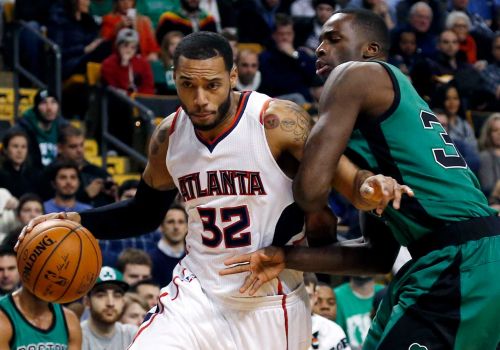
column 156, row 173
column 6, row 332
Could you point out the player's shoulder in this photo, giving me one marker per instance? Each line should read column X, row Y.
column 283, row 109
column 364, row 73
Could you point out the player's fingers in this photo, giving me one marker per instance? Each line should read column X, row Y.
column 366, row 190
column 249, row 281
column 407, row 190
column 239, row 259
column 235, row 269
column 255, row 286
column 396, row 202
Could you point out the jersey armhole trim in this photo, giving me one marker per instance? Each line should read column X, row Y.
column 264, row 109
column 397, row 94
column 172, row 127
column 63, row 314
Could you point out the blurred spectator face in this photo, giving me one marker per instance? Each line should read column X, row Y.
column 9, row 276
column 133, row 314
column 448, row 43
column 48, row 108
column 204, row 88
column 323, row 12
column 313, row 295
column 496, row 49
column 326, row 304
column 495, row 133
column 17, row 150
column 149, row 293
column 461, row 28
column 283, row 35
column 452, row 101
column 130, row 193
column 66, row 182
column 248, row 65
column 172, row 44
column 124, row 5
column 190, row 5
column 174, row 227
column 408, row 43
column 460, row 4
column 127, row 50
column 73, row 149
column 106, row 303
column 83, row 6
column 234, row 48
column 30, row 210
column 134, row 273
column 421, row 19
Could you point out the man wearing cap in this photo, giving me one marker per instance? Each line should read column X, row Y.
column 43, row 124
column 105, row 302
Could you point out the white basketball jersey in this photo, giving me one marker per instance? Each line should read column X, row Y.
column 235, row 194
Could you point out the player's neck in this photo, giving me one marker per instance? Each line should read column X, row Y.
column 101, row 328
column 30, row 306
column 227, row 120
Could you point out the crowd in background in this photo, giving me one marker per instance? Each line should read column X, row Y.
column 450, row 49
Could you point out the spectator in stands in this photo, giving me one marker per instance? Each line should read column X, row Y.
column 171, row 247
column 223, row 12
column 75, row 31
column 326, row 334
column 30, row 206
column 100, row 8
column 479, row 26
column 285, row 69
column 188, row 19
column 249, row 76
column 420, row 19
column 467, row 151
column 308, row 30
column 112, row 248
column 326, row 302
column 125, row 69
column 134, row 310
column 256, row 21
column 403, row 11
column 16, row 174
column 489, row 144
column 404, row 54
column 106, row 301
column 42, row 124
column 163, row 69
column 449, row 60
column 125, row 15
column 460, row 23
column 491, row 75
column 9, row 275
column 65, row 180
column 135, row 265
column 448, row 99
column 148, row 290
column 8, row 204
column 380, row 7
column 354, row 303
column 233, row 41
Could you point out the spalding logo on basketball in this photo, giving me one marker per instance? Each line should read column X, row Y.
column 59, row 261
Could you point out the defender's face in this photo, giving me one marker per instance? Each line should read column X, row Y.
column 204, row 88
column 339, row 43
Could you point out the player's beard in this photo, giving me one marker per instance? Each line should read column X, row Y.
column 220, row 117
column 105, row 319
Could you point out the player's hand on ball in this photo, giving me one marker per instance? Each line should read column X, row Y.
column 73, row 216
column 264, row 265
column 379, row 190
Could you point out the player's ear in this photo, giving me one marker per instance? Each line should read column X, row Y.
column 371, row 50
column 233, row 76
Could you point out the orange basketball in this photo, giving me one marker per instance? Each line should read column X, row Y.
column 59, row 261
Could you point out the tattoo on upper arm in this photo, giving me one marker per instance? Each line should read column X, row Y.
column 296, row 121
column 158, row 139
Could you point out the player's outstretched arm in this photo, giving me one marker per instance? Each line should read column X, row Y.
column 74, row 330
column 136, row 216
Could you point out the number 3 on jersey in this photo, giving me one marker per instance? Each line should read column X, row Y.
column 447, row 161
column 233, row 234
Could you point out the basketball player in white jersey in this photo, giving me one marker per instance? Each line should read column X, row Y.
column 232, row 156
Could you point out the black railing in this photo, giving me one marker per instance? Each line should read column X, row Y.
column 19, row 69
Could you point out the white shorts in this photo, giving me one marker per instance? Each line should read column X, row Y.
column 187, row 319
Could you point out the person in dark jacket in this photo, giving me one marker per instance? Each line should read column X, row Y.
column 42, row 124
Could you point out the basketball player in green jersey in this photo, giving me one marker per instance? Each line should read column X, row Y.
column 448, row 296
column 27, row 322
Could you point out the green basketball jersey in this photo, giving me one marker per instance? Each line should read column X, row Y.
column 410, row 145
column 353, row 313
column 27, row 336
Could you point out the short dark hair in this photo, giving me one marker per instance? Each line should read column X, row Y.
column 147, row 281
column 11, row 133
column 372, row 26
column 310, row 278
column 127, row 185
column 28, row 197
column 67, row 132
column 133, row 256
column 7, row 250
column 62, row 164
column 202, row 46
column 177, row 206
column 282, row 19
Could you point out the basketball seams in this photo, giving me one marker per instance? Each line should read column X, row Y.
column 76, row 268
column 97, row 249
column 35, row 235
column 47, row 259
